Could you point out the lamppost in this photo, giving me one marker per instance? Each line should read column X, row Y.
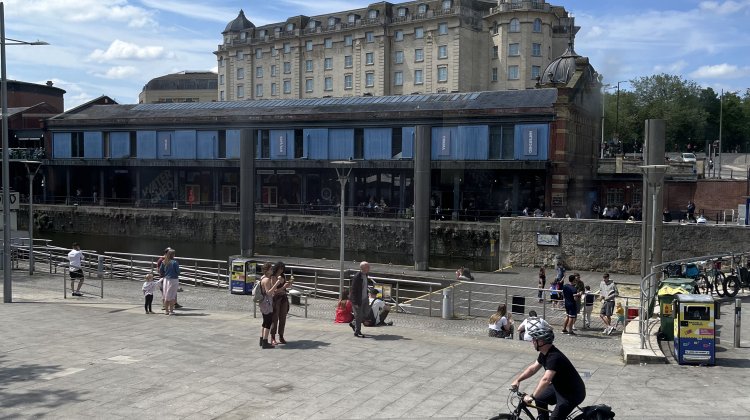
column 32, row 168
column 617, row 114
column 604, row 91
column 343, row 169
column 7, row 278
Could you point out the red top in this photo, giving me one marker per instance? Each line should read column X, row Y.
column 345, row 315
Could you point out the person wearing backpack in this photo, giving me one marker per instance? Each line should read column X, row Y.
column 265, row 292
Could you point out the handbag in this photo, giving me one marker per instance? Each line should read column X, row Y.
column 266, row 305
column 257, row 292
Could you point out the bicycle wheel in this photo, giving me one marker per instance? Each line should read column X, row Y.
column 719, row 284
column 525, row 415
column 731, row 286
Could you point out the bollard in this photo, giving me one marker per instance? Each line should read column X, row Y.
column 100, row 266
column 737, row 321
column 448, row 303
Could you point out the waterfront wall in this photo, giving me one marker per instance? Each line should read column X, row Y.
column 590, row 245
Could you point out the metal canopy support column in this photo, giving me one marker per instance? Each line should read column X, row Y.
column 343, row 170
column 247, row 192
column 422, row 161
column 655, row 133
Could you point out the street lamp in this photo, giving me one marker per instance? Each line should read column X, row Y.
column 7, row 278
column 32, row 168
column 604, row 92
column 343, row 169
column 617, row 114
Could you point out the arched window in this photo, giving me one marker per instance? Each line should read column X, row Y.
column 537, row 25
column 515, row 25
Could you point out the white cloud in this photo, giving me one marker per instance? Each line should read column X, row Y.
column 120, row 50
column 720, row 71
column 671, row 68
column 83, row 11
column 119, row 72
column 196, row 11
column 724, row 8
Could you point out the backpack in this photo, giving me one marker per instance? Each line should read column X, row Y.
column 257, row 292
column 596, row 412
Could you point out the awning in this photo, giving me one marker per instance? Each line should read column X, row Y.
column 29, row 134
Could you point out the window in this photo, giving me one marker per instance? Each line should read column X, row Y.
column 274, row 52
column 259, row 72
column 312, row 24
column 328, row 42
column 328, row 63
column 442, row 28
column 513, row 49
column 418, row 80
column 422, row 9
column 274, row 89
column 398, row 78
column 221, row 61
column 399, row 57
column 262, row 33
column 308, row 85
column 287, row 86
column 289, row 27
column 537, row 25
column 308, row 45
column 259, row 53
column 348, row 40
column 348, row 61
column 240, row 91
column 419, row 33
column 329, row 83
column 240, row 73
column 240, row 55
column 494, row 51
column 419, row 55
column 287, row 48
column 372, row 14
column 287, row 67
column 369, row 59
column 351, row 18
column 442, row 51
column 493, row 77
column 221, row 79
column 443, row 74
column 274, row 70
column 401, row 11
column 515, row 25
column 347, row 81
column 512, row 72
column 615, row 196
column 447, row 4
column 370, row 36
column 331, row 21
column 536, row 50
column 536, row 71
column 221, row 95
column 308, row 65
column 398, row 35
column 369, row 79
column 259, row 90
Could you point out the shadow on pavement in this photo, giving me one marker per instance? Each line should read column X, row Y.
column 303, row 344
column 387, row 337
column 25, row 373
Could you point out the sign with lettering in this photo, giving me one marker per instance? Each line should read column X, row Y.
column 530, row 141
column 282, row 145
column 14, row 201
column 445, row 145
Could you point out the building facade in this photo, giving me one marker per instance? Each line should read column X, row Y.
column 417, row 47
column 185, row 86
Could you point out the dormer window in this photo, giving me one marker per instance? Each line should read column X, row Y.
column 311, row 24
column 352, row 18
column 422, row 9
column 262, row 33
column 289, row 27
column 447, row 4
column 243, row 36
column 277, row 29
column 331, row 21
column 402, row 11
column 372, row 14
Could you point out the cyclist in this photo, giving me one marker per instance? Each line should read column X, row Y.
column 560, row 385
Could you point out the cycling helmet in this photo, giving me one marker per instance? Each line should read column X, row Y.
column 541, row 332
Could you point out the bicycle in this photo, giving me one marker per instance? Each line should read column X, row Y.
column 520, row 410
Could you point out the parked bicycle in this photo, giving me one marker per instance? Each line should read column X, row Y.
column 520, row 410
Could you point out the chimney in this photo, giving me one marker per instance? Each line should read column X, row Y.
column 49, row 83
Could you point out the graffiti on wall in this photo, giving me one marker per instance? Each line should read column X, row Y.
column 160, row 188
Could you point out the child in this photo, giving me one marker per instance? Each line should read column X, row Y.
column 148, row 292
column 620, row 312
column 588, row 306
column 553, row 292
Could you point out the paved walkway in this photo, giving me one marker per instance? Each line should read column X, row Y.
column 104, row 358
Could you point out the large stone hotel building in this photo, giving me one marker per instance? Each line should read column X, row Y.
column 417, row 47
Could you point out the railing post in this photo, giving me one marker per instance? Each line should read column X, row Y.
column 737, row 321
column 305, row 305
column 430, row 311
column 195, row 274
column 218, row 275
column 130, row 273
column 315, row 290
column 468, row 304
column 398, row 301
column 101, row 286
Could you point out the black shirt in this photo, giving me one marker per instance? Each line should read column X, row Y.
column 567, row 381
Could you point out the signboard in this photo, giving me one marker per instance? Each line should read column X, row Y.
column 14, row 200
column 530, row 141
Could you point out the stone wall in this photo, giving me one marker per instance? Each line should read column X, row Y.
column 591, row 245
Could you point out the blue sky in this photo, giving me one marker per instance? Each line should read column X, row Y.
column 114, row 47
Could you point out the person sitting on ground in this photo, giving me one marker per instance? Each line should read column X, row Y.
column 464, row 274
column 701, row 219
column 379, row 310
column 344, row 313
column 501, row 323
column 533, row 321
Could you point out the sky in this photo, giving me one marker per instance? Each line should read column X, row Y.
column 114, row 47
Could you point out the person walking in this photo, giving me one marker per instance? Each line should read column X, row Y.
column 542, row 282
column 170, row 271
column 161, row 284
column 571, row 310
column 580, row 291
column 358, row 296
column 588, row 306
column 280, row 303
column 607, row 292
column 269, row 284
column 75, row 258
column 560, row 385
column 148, row 292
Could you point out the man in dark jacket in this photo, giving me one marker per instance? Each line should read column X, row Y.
column 359, row 299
